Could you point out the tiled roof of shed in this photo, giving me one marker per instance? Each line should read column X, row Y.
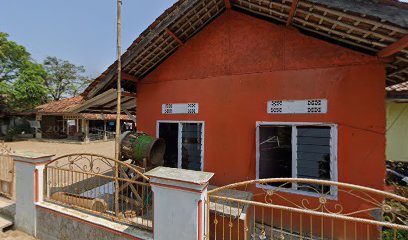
column 366, row 25
column 95, row 116
column 61, row 106
column 64, row 107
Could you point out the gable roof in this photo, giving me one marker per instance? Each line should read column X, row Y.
column 370, row 26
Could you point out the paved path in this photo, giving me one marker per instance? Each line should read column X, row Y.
column 59, row 149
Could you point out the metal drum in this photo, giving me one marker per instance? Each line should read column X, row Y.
column 143, row 149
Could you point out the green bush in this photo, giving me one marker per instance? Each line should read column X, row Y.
column 388, row 234
column 402, row 218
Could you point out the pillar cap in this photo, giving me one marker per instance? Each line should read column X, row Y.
column 31, row 157
column 180, row 175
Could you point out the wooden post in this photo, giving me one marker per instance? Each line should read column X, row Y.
column 105, row 137
column 77, row 125
column 118, row 111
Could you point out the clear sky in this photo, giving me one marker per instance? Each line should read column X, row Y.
column 80, row 31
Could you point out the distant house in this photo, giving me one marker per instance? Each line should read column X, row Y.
column 59, row 121
column 15, row 123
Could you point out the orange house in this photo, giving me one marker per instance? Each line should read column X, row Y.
column 238, row 63
column 233, row 67
column 249, row 90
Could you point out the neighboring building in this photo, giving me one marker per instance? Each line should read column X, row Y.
column 397, row 125
column 58, row 121
column 15, row 124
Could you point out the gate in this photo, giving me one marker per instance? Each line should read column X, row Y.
column 6, row 171
column 101, row 186
column 290, row 208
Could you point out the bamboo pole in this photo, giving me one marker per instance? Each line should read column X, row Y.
column 118, row 109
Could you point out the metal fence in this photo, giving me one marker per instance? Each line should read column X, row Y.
column 6, row 171
column 287, row 208
column 96, row 134
column 101, row 186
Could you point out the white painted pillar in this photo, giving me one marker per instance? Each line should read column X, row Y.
column 105, row 137
column 29, row 188
column 83, row 125
column 86, row 140
column 38, row 133
column 179, row 203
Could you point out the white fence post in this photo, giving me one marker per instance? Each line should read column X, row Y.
column 29, row 188
column 179, row 203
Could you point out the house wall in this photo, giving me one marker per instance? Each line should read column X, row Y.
column 238, row 63
column 51, row 126
column 397, row 131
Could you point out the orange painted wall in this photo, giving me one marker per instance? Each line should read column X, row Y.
column 238, row 63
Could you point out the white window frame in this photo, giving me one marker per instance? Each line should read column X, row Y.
column 179, row 143
column 333, row 156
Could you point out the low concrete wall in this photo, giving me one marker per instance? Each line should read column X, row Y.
column 7, row 208
column 56, row 222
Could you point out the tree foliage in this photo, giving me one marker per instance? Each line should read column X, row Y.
column 28, row 89
column 13, row 59
column 64, row 79
column 21, row 79
column 25, row 84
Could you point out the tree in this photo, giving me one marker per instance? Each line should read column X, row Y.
column 25, row 84
column 29, row 91
column 21, row 79
column 13, row 59
column 64, row 79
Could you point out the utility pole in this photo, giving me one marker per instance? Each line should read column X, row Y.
column 118, row 110
column 118, row 84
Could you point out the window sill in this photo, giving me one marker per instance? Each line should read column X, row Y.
column 333, row 197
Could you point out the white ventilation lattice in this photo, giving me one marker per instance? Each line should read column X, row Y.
column 180, row 108
column 310, row 106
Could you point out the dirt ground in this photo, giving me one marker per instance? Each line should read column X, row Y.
column 104, row 148
column 59, row 149
column 15, row 235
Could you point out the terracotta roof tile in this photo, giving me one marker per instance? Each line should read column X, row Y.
column 97, row 116
column 61, row 106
